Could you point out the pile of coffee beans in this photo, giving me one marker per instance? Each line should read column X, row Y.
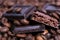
column 39, row 25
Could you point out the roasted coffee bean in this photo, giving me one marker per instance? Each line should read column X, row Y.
column 17, row 22
column 14, row 38
column 1, row 14
column 21, row 39
column 1, row 1
column 56, row 37
column 4, row 20
column 58, row 31
column 48, row 35
column 10, row 33
column 58, row 12
column 3, row 38
column 0, row 28
column 21, row 35
column 9, row 38
column 0, row 36
column 39, row 38
column 51, row 39
column 24, row 21
column 55, row 15
column 10, row 10
column 9, row 3
column 44, row 37
column 4, row 29
column 53, row 32
column 7, row 25
column 29, row 37
column 45, row 32
column 6, row 35
column 18, row 10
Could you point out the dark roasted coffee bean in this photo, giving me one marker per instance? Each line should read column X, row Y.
column 18, row 10
column 0, row 36
column 6, row 35
column 4, row 38
column 21, row 35
column 56, row 38
column 10, row 33
column 53, row 32
column 4, row 29
column 24, row 21
column 51, row 39
column 45, row 32
column 55, row 15
column 0, row 28
column 21, row 39
column 58, row 31
column 17, row 22
column 9, row 3
column 29, row 37
column 9, row 38
column 4, row 20
column 48, row 35
column 39, row 38
column 14, row 38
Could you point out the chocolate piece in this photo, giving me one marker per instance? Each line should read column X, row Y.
column 28, row 29
column 45, row 19
column 51, row 7
column 25, row 12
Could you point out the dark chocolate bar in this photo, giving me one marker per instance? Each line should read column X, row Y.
column 51, row 7
column 28, row 29
column 24, row 13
